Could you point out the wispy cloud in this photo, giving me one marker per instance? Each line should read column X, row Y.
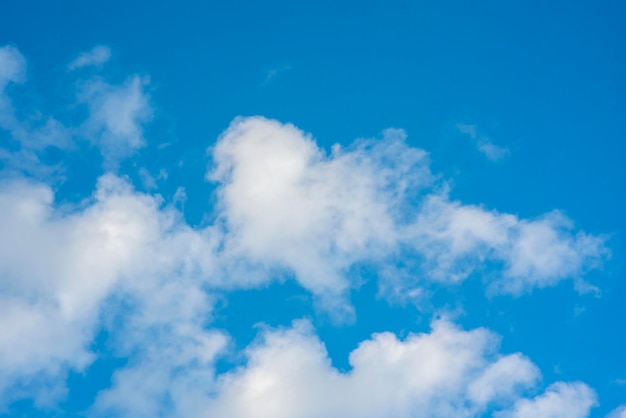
column 95, row 57
column 117, row 115
column 29, row 136
column 275, row 71
column 483, row 143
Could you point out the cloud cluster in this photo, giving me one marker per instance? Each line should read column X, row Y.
column 59, row 266
column 127, row 262
column 447, row 372
column 288, row 204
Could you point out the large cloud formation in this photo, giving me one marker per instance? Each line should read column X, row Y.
column 59, row 267
column 447, row 372
column 127, row 262
column 287, row 203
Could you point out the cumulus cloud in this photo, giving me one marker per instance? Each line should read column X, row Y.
column 446, row 373
column 172, row 378
column 283, row 203
column 288, row 204
column 59, row 266
column 95, row 57
column 117, row 114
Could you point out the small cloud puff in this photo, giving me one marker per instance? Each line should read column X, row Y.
column 484, row 144
column 94, row 58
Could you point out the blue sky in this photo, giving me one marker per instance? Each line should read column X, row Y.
column 312, row 209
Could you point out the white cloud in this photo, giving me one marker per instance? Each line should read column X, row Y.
column 490, row 150
column 561, row 400
column 172, row 377
column 456, row 240
column 117, row 114
column 60, row 266
column 289, row 205
column 95, row 57
column 446, row 373
column 618, row 412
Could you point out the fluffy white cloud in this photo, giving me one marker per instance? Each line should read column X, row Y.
column 123, row 254
column 446, row 373
column 171, row 378
column 95, row 57
column 58, row 267
column 288, row 204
